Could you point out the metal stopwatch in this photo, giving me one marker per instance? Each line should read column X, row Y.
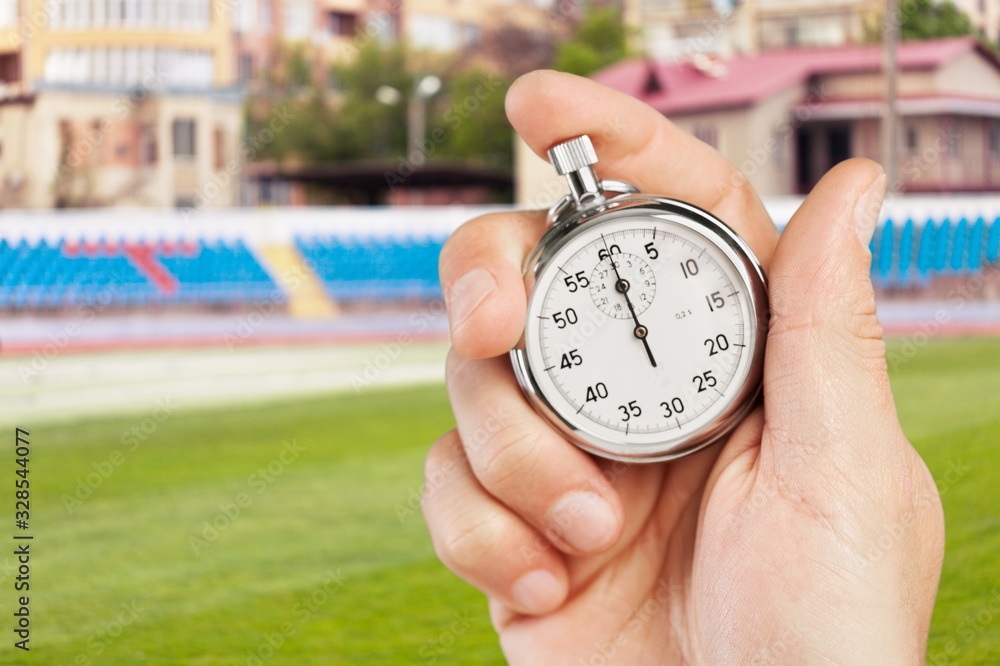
column 645, row 329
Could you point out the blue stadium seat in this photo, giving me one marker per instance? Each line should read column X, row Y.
column 975, row 263
column 959, row 246
column 905, row 253
column 993, row 243
column 374, row 269
column 941, row 247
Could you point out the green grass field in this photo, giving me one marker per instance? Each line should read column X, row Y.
column 329, row 562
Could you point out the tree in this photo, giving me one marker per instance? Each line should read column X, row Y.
column 339, row 118
column 599, row 40
column 926, row 19
column 343, row 120
column 473, row 121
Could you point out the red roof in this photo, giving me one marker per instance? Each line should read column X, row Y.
column 744, row 80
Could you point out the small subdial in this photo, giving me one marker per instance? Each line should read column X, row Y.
column 636, row 279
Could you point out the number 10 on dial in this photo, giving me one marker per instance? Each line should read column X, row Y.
column 646, row 320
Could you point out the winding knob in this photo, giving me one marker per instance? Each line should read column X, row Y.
column 573, row 155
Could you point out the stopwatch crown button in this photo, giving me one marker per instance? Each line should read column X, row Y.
column 572, row 155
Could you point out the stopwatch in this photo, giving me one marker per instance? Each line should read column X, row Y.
column 646, row 320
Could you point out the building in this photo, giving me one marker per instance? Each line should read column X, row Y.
column 984, row 15
column 129, row 103
column 447, row 25
column 332, row 31
column 140, row 102
column 679, row 28
column 786, row 117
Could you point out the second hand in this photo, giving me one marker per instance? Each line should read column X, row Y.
column 622, row 287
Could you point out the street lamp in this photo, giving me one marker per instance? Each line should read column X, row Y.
column 416, row 109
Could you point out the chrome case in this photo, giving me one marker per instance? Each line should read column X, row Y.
column 569, row 223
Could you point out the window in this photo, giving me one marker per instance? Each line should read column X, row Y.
column 244, row 15
column 218, row 148
column 384, row 25
column 10, row 68
column 85, row 14
column 154, row 67
column 912, row 139
column 184, row 137
column 954, row 137
column 341, row 24
column 471, row 34
column 8, row 13
column 437, row 33
column 994, row 140
column 147, row 145
column 298, row 20
column 245, row 67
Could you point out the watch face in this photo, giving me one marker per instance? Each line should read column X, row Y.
column 642, row 333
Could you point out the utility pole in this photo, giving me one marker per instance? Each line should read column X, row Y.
column 890, row 116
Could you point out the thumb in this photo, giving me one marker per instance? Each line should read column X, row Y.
column 825, row 379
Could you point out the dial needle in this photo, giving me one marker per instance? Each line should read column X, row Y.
column 622, row 287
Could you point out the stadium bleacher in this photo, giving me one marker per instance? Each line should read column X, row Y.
column 125, row 273
column 386, row 261
column 908, row 255
column 374, row 269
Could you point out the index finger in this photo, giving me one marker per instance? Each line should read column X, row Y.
column 481, row 264
column 636, row 143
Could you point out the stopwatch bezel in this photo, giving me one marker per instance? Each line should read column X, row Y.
column 715, row 231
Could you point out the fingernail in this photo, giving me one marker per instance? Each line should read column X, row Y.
column 467, row 293
column 585, row 520
column 867, row 210
column 537, row 591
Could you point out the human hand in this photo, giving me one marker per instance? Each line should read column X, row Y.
column 814, row 534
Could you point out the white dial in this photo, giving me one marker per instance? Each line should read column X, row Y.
column 641, row 331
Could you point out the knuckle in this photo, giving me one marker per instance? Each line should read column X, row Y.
column 442, row 455
column 469, row 547
column 511, row 451
column 734, row 192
